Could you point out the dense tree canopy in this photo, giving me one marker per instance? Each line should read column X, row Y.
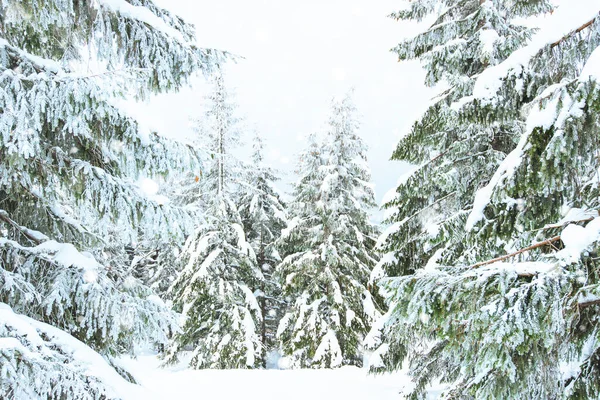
column 503, row 305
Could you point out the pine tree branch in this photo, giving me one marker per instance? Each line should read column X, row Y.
column 547, row 242
column 534, row 246
column 24, row 231
column 590, row 303
column 438, row 201
column 574, row 32
column 567, row 223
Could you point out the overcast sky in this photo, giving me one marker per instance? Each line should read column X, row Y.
column 298, row 55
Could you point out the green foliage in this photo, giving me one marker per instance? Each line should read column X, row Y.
column 69, row 162
column 524, row 326
column 330, row 244
column 455, row 153
column 264, row 216
column 217, row 288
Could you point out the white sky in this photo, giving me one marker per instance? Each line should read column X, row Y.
column 298, row 55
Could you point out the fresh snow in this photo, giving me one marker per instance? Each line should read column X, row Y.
column 203, row 270
column 577, row 239
column 250, row 297
column 48, row 64
column 291, row 226
column 329, row 346
column 574, row 215
column 242, row 243
column 565, row 19
column 66, row 255
column 504, row 171
column 38, row 236
column 150, row 189
column 378, row 271
column 389, row 231
column 488, row 38
column 592, row 67
column 377, row 356
column 144, row 15
column 432, row 263
column 374, row 339
column 521, row 268
column 348, row 383
column 92, row 363
column 368, row 306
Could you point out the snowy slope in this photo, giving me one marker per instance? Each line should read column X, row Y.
column 46, row 355
column 349, row 383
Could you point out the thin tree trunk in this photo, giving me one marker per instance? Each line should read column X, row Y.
column 221, row 160
column 263, row 303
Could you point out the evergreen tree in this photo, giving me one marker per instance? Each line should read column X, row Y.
column 263, row 216
column 215, row 292
column 157, row 261
column 69, row 160
column 512, row 311
column 331, row 241
column 453, row 155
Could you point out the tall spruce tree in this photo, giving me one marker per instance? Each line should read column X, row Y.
column 263, row 217
column 453, row 156
column 69, row 160
column 215, row 292
column 512, row 311
column 330, row 240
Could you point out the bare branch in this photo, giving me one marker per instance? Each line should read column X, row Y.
column 24, row 231
column 588, row 303
column 547, row 242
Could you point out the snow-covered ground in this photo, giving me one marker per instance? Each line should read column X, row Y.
column 347, row 383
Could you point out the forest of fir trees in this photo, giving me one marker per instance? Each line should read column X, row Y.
column 268, row 283
column 485, row 276
column 93, row 268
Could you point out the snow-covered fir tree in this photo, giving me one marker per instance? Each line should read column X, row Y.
column 512, row 311
column 69, row 203
column 330, row 244
column 452, row 155
column 263, row 216
column 216, row 291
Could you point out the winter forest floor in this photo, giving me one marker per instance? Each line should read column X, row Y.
column 176, row 383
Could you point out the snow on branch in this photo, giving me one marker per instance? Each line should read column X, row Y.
column 591, row 70
column 34, row 236
column 566, row 22
column 144, row 15
column 588, row 303
column 575, row 239
column 547, row 242
column 110, row 316
column 39, row 361
column 39, row 64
